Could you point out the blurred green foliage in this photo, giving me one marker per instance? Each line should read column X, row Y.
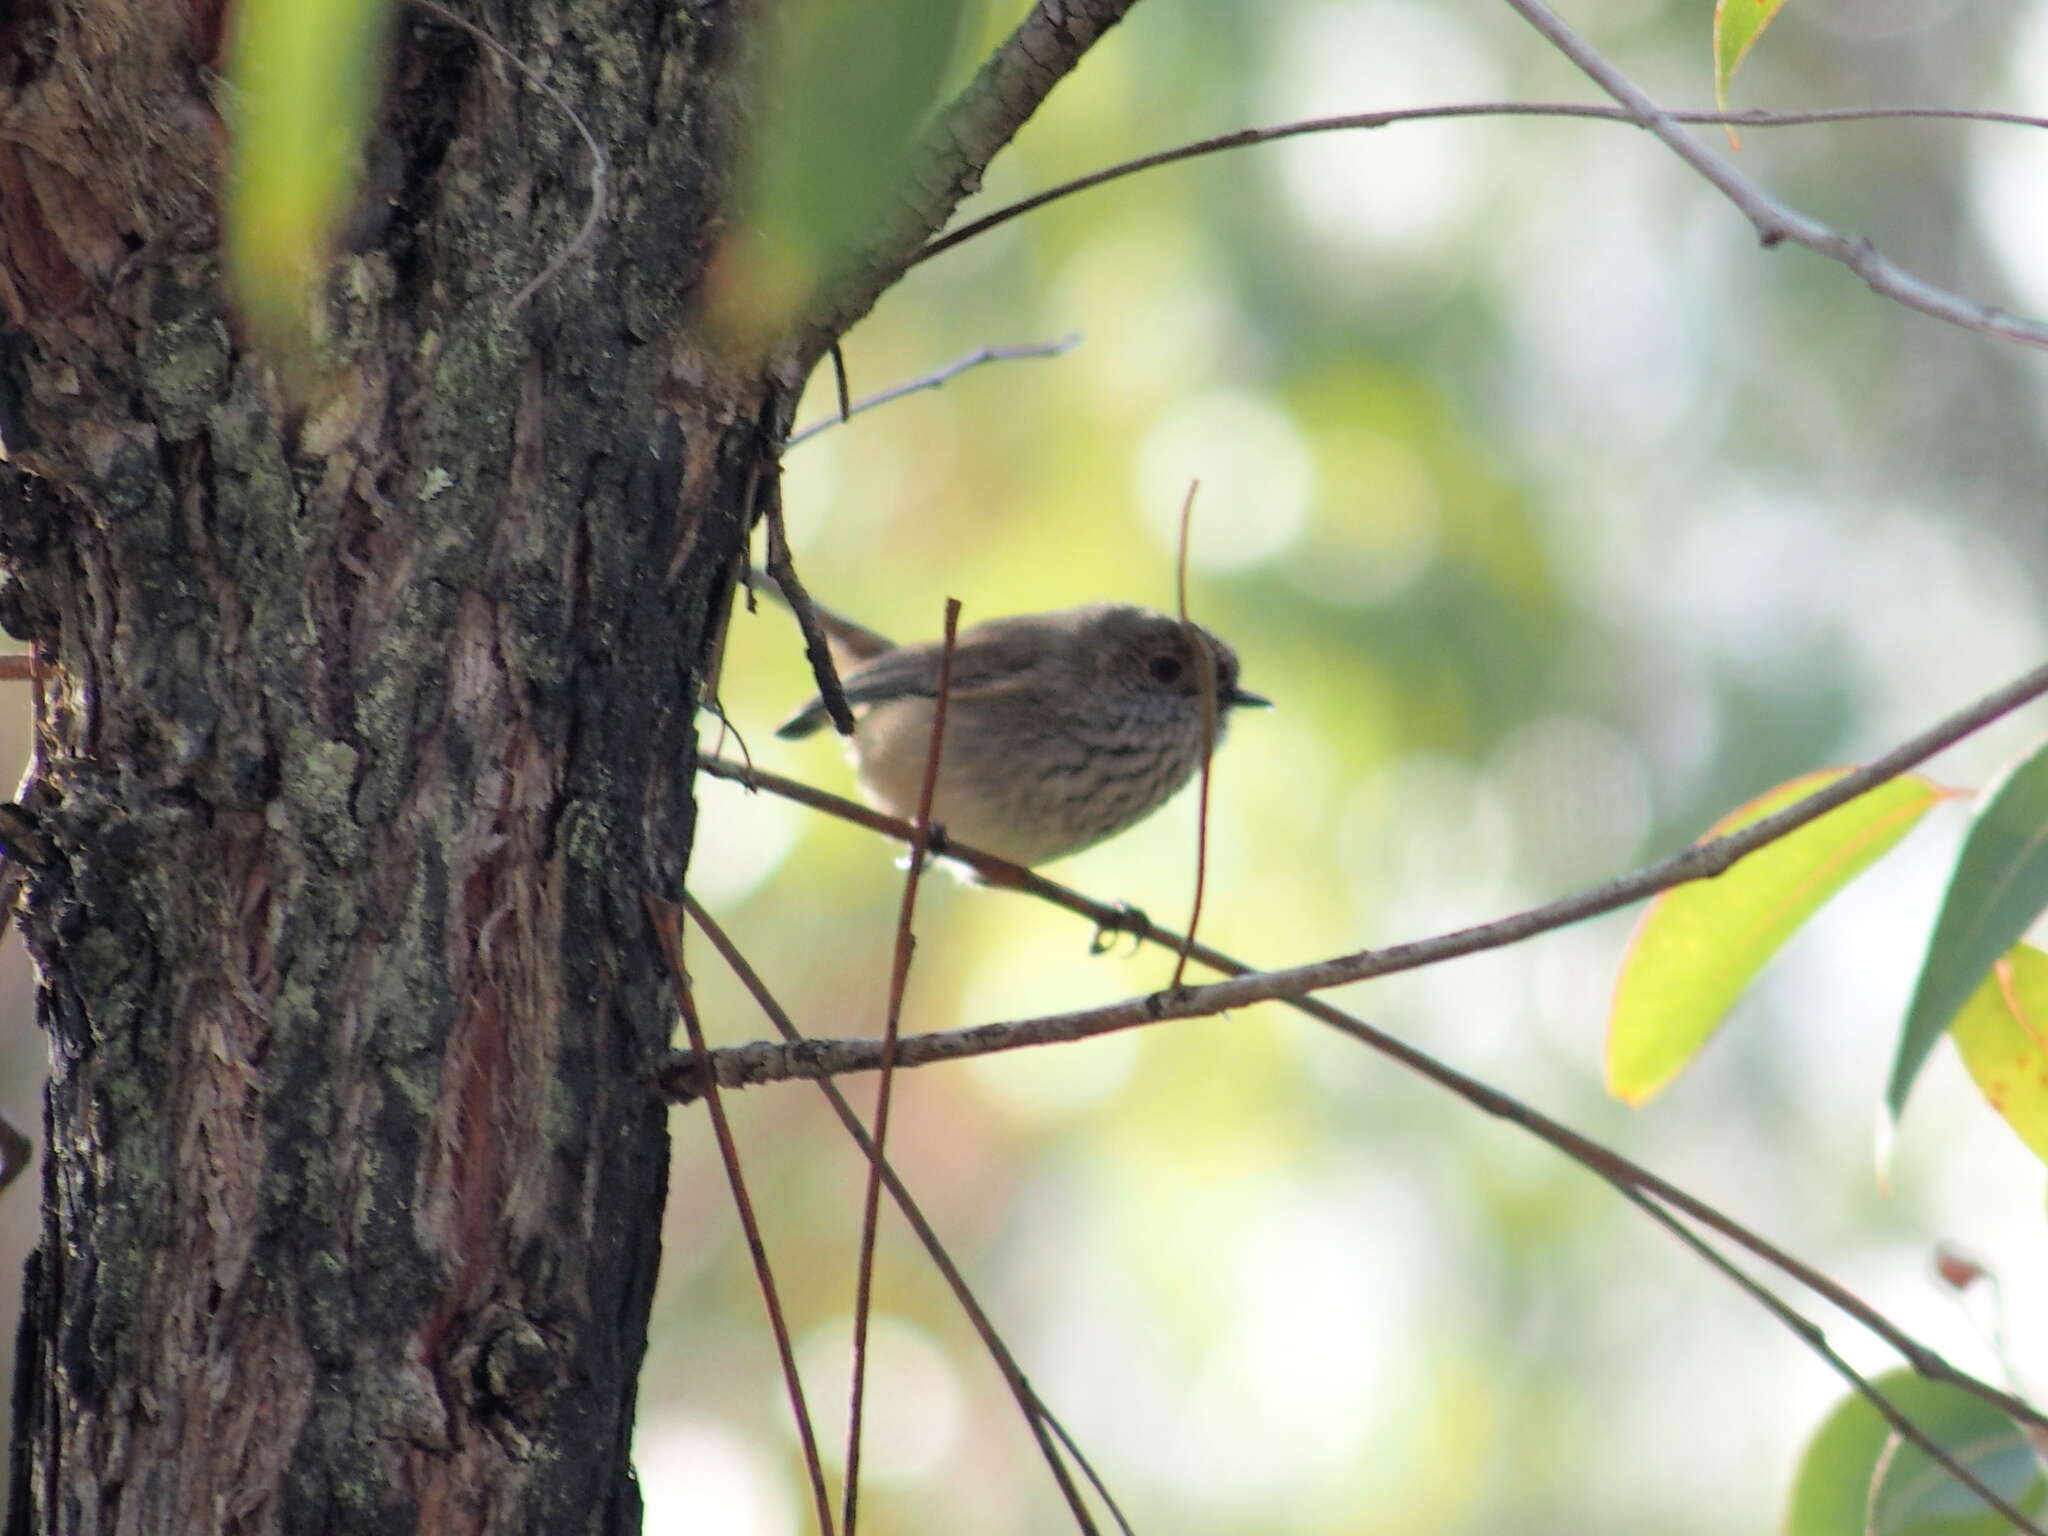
column 1858, row 1478
column 305, row 78
column 844, row 88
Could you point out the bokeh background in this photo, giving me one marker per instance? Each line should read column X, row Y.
column 1558, row 518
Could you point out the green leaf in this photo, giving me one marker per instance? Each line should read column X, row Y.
column 1858, row 1478
column 2002, row 1036
column 305, row 89
column 849, row 85
column 1737, row 24
column 1699, row 946
column 1999, row 887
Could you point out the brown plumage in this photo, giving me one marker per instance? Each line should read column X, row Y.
column 1062, row 728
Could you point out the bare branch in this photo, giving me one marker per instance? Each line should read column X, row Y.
column 683, row 1078
column 1205, row 664
column 1774, row 221
column 742, row 1065
column 782, row 571
column 947, row 164
column 932, row 380
column 1810, row 1334
column 1354, row 121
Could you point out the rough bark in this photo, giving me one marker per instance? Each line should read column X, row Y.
column 364, row 728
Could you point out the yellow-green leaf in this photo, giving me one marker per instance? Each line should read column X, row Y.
column 1737, row 24
column 2002, row 1036
column 1699, row 946
column 305, row 86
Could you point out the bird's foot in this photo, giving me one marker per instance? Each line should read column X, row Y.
column 1125, row 919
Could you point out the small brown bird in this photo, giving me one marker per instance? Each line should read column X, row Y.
column 1062, row 728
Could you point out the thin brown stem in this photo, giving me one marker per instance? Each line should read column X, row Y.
column 1037, row 1416
column 1350, row 122
column 668, row 932
column 899, row 980
column 839, row 384
column 1205, row 676
column 932, row 380
column 1811, row 1335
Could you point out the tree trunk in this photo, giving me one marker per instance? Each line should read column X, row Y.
column 364, row 726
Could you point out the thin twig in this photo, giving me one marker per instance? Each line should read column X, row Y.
column 1811, row 1335
column 668, row 932
column 1699, row 862
column 1774, row 221
column 600, row 166
column 743, row 1065
column 17, row 667
column 1354, row 121
column 816, row 648
column 1205, row 677
column 899, row 979
column 1037, row 1417
column 952, row 370
column 839, row 381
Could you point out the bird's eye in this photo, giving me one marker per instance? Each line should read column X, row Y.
column 1166, row 669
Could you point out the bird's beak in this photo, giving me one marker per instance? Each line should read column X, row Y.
column 1240, row 698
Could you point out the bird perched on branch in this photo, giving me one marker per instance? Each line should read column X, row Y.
column 1062, row 728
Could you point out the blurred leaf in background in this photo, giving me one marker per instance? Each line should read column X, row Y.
column 845, row 87
column 1858, row 1478
column 305, row 78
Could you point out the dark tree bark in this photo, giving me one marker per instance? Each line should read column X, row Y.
column 366, row 725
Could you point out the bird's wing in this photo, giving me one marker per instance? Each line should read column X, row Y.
column 981, row 661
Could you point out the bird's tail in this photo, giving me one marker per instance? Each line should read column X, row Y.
column 851, row 643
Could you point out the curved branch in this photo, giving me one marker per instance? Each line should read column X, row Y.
column 1353, row 121
column 741, row 1065
column 947, row 163
column 1776, row 222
